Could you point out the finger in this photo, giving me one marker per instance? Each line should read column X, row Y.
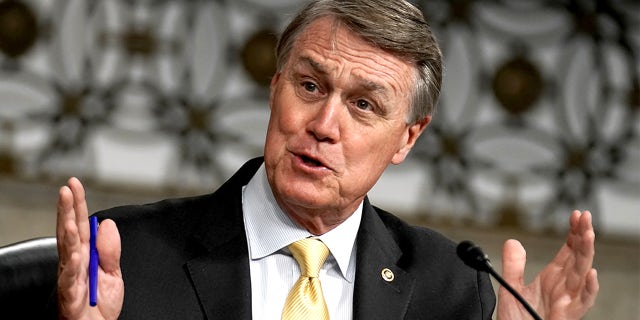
column 71, row 267
column 574, row 227
column 581, row 250
column 71, row 293
column 574, row 219
column 591, row 289
column 70, row 252
column 66, row 228
column 514, row 258
column 65, row 205
column 80, row 208
column 585, row 222
column 108, row 244
column 584, row 244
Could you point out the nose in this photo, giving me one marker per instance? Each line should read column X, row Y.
column 325, row 124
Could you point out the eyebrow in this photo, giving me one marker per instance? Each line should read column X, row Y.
column 369, row 85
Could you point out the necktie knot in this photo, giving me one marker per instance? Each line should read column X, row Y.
column 305, row 300
column 310, row 253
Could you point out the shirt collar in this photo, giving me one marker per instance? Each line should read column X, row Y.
column 269, row 229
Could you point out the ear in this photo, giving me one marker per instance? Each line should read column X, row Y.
column 272, row 87
column 409, row 140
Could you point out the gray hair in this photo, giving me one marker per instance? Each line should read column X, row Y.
column 395, row 26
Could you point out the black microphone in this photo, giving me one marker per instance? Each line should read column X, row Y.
column 474, row 257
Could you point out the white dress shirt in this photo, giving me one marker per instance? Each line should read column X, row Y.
column 273, row 269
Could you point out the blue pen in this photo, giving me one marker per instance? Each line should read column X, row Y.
column 93, row 262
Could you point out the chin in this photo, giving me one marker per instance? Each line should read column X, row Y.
column 306, row 194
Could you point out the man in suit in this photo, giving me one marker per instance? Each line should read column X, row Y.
column 355, row 87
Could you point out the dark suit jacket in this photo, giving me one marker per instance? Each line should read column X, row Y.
column 188, row 259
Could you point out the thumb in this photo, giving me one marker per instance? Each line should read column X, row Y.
column 108, row 244
column 514, row 258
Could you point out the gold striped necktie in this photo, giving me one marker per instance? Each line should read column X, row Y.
column 305, row 300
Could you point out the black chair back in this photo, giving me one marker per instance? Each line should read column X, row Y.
column 28, row 272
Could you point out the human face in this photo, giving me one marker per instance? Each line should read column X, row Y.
column 338, row 118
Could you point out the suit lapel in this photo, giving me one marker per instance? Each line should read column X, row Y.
column 220, row 274
column 222, row 282
column 382, row 289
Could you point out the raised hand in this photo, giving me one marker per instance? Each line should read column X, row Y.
column 72, row 232
column 565, row 289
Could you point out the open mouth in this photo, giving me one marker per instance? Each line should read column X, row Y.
column 310, row 161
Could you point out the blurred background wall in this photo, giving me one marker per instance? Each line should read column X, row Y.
column 144, row 99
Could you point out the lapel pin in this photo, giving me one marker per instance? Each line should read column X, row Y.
column 387, row 274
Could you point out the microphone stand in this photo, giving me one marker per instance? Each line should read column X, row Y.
column 505, row 285
column 474, row 257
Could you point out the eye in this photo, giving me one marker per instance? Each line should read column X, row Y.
column 309, row 86
column 363, row 104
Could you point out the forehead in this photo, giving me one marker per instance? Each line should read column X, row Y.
column 328, row 43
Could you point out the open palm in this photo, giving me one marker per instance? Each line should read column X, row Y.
column 565, row 289
column 72, row 233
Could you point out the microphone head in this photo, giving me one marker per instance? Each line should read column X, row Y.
column 473, row 256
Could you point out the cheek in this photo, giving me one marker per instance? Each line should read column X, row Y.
column 277, row 123
column 290, row 121
column 367, row 151
column 364, row 169
column 284, row 123
column 375, row 151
